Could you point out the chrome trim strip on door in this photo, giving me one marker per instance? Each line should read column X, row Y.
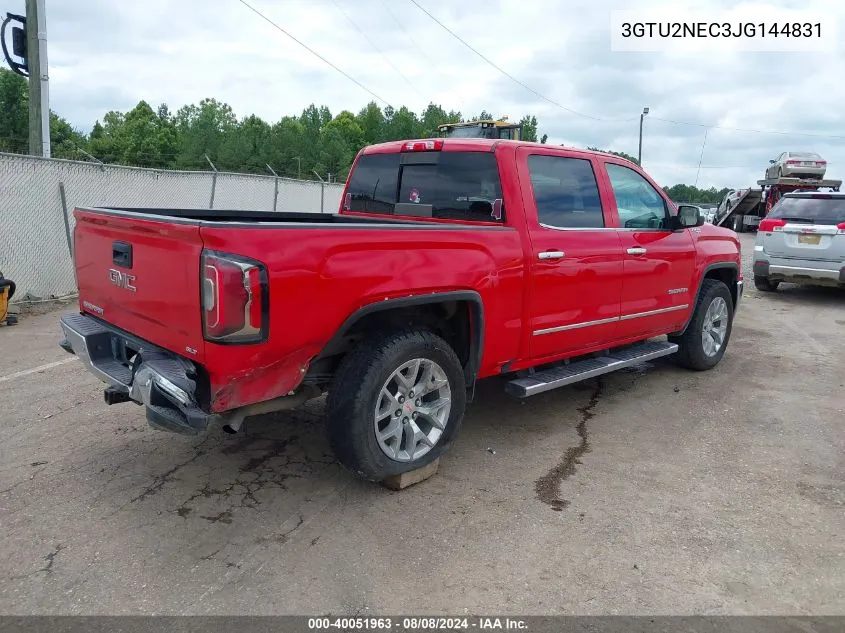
column 624, row 317
column 575, row 326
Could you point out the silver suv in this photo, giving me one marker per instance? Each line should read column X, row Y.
column 802, row 240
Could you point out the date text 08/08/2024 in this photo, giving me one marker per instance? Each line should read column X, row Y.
column 417, row 623
column 721, row 29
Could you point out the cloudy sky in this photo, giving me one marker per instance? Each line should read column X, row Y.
column 109, row 54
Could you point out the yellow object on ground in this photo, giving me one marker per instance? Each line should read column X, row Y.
column 7, row 290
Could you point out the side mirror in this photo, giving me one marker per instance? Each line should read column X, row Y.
column 688, row 217
column 772, row 162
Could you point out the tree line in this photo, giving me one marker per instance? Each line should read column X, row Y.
column 295, row 146
column 316, row 141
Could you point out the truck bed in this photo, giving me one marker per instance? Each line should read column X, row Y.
column 247, row 217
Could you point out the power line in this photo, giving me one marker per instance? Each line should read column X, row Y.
column 701, row 156
column 313, row 52
column 507, row 74
column 407, row 33
column 555, row 103
column 377, row 49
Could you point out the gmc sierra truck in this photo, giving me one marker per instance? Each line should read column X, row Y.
column 450, row 261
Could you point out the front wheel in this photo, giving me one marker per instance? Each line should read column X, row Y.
column 705, row 340
column 395, row 404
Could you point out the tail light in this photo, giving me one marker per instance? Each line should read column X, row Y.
column 768, row 225
column 423, row 146
column 841, row 227
column 821, row 163
column 235, row 299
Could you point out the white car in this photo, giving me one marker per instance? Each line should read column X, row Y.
column 729, row 201
column 797, row 165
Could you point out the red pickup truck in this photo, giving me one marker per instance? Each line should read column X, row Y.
column 450, row 261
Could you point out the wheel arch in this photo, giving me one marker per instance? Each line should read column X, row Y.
column 457, row 316
column 727, row 273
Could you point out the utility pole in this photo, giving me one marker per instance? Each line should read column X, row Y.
column 39, row 90
column 640, row 150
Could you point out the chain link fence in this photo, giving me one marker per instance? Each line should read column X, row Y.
column 38, row 195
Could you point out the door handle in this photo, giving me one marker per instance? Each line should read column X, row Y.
column 551, row 255
column 638, row 250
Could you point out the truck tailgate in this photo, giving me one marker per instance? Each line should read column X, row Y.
column 142, row 276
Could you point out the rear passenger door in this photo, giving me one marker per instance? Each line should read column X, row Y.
column 658, row 286
column 575, row 259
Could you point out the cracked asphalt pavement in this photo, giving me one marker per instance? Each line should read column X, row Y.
column 655, row 490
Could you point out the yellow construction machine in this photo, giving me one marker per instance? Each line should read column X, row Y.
column 500, row 129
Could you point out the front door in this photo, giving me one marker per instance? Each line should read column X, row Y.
column 576, row 261
column 658, row 287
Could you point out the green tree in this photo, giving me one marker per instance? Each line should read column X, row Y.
column 202, row 130
column 433, row 117
column 14, row 121
column 372, row 122
column 141, row 137
column 529, row 128
column 65, row 141
column 403, row 124
column 690, row 193
column 14, row 106
column 288, row 139
column 294, row 146
column 621, row 154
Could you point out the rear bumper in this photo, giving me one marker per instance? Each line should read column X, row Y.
column 798, row 170
column 798, row 271
column 804, row 271
column 167, row 385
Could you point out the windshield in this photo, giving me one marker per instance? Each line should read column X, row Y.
column 810, row 210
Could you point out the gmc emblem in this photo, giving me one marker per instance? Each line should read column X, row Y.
column 122, row 280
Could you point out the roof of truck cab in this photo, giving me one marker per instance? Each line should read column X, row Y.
column 477, row 145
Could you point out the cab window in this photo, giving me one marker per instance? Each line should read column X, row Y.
column 565, row 192
column 452, row 185
column 639, row 204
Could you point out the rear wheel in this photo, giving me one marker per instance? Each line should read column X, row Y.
column 395, row 404
column 765, row 284
column 705, row 340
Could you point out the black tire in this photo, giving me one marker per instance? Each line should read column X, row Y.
column 353, row 397
column 764, row 284
column 738, row 226
column 691, row 343
column 779, row 173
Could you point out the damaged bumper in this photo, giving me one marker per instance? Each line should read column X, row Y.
column 135, row 370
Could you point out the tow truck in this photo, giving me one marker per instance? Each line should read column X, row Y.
column 492, row 129
column 745, row 214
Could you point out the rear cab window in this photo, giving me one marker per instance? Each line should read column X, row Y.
column 822, row 209
column 462, row 186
